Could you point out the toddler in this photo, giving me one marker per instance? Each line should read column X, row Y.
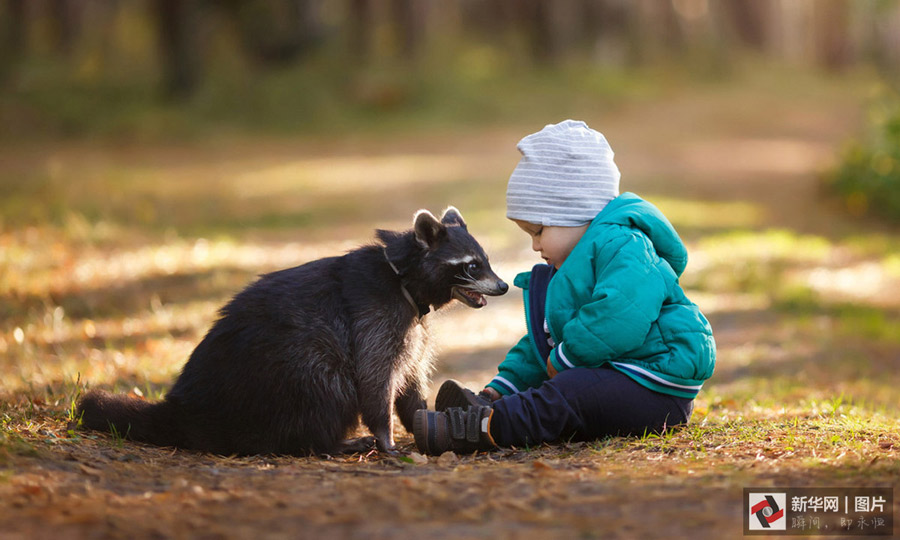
column 614, row 347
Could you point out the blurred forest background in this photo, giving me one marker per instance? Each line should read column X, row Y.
column 171, row 67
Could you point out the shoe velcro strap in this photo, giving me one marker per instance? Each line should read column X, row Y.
column 484, row 399
column 473, row 427
column 457, row 423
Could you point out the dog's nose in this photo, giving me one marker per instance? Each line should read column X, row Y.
column 502, row 287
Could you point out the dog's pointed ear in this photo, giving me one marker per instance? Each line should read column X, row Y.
column 452, row 217
column 428, row 229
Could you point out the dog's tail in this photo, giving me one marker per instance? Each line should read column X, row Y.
column 129, row 418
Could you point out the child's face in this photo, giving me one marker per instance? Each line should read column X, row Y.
column 553, row 243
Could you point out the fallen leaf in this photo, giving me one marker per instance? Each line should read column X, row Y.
column 448, row 458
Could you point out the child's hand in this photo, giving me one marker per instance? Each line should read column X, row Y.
column 490, row 393
column 551, row 371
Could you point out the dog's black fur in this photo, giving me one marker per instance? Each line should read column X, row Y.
column 299, row 355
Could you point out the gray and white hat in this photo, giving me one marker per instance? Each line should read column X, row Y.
column 565, row 178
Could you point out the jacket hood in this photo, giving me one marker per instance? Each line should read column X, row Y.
column 631, row 211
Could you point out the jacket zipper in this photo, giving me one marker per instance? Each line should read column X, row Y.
column 526, row 300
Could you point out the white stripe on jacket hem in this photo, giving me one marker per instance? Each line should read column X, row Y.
column 506, row 383
column 656, row 378
column 562, row 357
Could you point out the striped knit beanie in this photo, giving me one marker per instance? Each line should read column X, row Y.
column 565, row 178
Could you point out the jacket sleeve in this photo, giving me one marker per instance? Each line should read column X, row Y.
column 632, row 283
column 520, row 370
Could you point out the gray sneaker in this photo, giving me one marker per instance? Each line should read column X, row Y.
column 456, row 429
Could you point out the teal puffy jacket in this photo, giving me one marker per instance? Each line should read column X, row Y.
column 616, row 300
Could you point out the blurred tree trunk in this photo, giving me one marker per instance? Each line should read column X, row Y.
column 749, row 18
column 543, row 38
column 593, row 19
column 176, row 23
column 409, row 26
column 884, row 36
column 309, row 22
column 15, row 34
column 65, row 16
column 792, row 30
column 673, row 35
column 275, row 32
column 489, row 18
column 609, row 30
column 360, row 24
column 717, row 46
column 17, row 26
column 832, row 26
column 656, row 31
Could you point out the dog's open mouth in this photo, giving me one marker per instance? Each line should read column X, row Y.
column 469, row 297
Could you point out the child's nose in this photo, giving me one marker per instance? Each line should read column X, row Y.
column 535, row 244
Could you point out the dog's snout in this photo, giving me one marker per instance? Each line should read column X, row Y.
column 502, row 287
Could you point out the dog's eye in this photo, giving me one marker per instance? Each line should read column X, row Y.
column 471, row 267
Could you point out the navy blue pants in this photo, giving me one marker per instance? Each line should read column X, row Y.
column 584, row 404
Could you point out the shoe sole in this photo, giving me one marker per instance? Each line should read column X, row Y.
column 453, row 394
column 423, row 431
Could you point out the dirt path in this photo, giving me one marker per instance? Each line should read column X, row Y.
column 698, row 155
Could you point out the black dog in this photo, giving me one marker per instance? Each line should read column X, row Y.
column 300, row 354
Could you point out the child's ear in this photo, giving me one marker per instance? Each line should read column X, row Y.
column 452, row 217
column 428, row 229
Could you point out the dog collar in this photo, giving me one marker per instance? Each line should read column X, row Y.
column 421, row 309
